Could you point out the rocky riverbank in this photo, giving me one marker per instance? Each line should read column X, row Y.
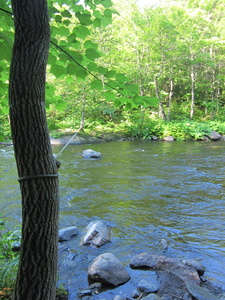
column 120, row 136
column 147, row 276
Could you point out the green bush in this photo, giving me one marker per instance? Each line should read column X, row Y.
column 9, row 259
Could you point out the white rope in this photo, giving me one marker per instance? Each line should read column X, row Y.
column 68, row 142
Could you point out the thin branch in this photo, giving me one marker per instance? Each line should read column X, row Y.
column 6, row 11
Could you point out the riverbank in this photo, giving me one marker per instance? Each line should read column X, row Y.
column 83, row 138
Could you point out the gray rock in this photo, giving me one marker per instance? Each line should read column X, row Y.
column 168, row 138
column 151, row 297
column 149, row 286
column 135, row 294
column 85, row 293
column 91, row 154
column 66, row 233
column 118, row 297
column 163, row 263
column 196, row 265
column 164, row 245
column 213, row 135
column 107, row 269
column 166, row 297
column 200, row 293
column 98, row 234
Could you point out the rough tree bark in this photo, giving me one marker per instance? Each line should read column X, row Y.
column 37, row 169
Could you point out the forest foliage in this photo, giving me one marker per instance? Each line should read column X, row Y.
column 118, row 64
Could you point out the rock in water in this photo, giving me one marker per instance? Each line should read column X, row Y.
column 163, row 263
column 200, row 293
column 196, row 265
column 107, row 269
column 91, row 154
column 66, row 233
column 98, row 234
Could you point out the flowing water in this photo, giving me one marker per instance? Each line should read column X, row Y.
column 146, row 191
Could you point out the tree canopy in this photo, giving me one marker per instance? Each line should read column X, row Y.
column 166, row 58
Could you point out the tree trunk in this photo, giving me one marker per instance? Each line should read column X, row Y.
column 192, row 88
column 162, row 114
column 37, row 169
column 170, row 97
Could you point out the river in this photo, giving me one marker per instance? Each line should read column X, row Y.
column 146, row 191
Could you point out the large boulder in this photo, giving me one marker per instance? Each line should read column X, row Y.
column 108, row 270
column 213, row 135
column 168, row 138
column 91, row 154
column 98, row 233
column 163, row 263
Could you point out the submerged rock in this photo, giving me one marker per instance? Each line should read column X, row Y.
column 107, row 269
column 149, row 286
column 151, row 297
column 98, row 234
column 91, row 154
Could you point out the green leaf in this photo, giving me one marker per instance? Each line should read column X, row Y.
column 110, row 74
column 61, row 105
column 71, row 69
column 2, row 138
column 64, row 31
column 97, row 85
column 109, row 96
column 81, row 73
column 121, row 77
column 57, row 70
column 107, row 19
column 117, row 103
column 151, row 101
column 138, row 100
column 53, row 10
column 85, row 18
column 132, row 87
column 78, row 7
column 97, row 23
column 51, row 59
column 90, row 44
column 58, row 19
column 71, row 38
column 5, row 110
column 81, row 32
column 92, row 54
column 102, row 70
column 123, row 100
column 76, row 56
column 92, row 67
column 66, row 14
column 128, row 106
column 5, row 52
column 106, row 3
